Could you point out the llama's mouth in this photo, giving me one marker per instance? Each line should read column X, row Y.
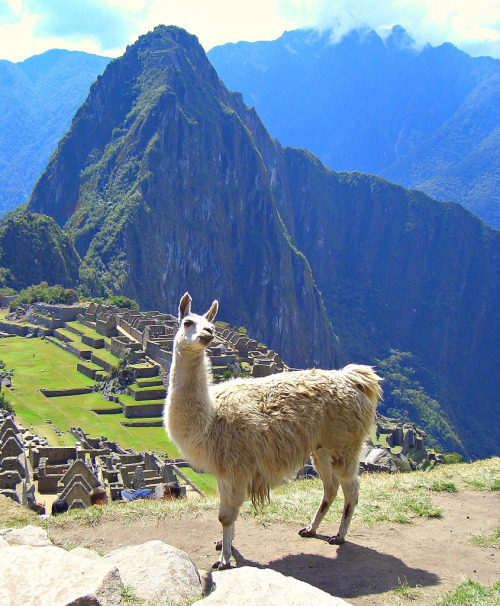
column 206, row 339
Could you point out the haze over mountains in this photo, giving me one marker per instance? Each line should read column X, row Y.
column 427, row 118
column 167, row 182
column 38, row 98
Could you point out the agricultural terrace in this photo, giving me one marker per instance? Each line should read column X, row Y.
column 38, row 364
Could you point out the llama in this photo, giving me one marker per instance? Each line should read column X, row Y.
column 250, row 434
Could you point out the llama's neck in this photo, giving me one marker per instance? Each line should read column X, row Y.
column 190, row 408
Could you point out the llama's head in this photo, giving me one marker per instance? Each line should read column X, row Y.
column 195, row 332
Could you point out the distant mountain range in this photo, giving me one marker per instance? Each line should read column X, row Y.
column 427, row 118
column 38, row 98
column 167, row 182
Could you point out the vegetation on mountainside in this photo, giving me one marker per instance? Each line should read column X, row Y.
column 33, row 248
column 44, row 293
column 119, row 301
column 405, row 399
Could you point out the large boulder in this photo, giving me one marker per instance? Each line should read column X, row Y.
column 248, row 586
column 157, row 571
column 51, row 576
column 28, row 535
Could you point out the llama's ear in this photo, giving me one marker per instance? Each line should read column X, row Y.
column 212, row 312
column 185, row 306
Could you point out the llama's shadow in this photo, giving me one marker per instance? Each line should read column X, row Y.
column 352, row 570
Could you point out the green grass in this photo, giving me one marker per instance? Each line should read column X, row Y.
column 443, row 486
column 130, row 402
column 66, row 333
column 102, row 354
column 89, row 332
column 156, row 381
column 406, row 591
column 204, row 481
column 145, row 389
column 471, row 593
column 142, row 422
column 28, row 357
column 487, row 540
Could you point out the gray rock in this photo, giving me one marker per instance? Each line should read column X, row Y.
column 28, row 535
column 51, row 576
column 157, row 571
column 248, row 586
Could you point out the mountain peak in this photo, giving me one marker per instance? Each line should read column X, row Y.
column 400, row 40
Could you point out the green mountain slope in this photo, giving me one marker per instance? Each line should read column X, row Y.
column 33, row 249
column 167, row 182
column 38, row 98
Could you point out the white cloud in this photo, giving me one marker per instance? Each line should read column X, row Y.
column 472, row 26
column 28, row 27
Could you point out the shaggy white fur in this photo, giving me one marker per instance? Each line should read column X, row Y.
column 250, row 434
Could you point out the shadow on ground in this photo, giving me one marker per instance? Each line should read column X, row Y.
column 378, row 572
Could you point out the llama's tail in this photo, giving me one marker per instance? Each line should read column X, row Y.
column 366, row 379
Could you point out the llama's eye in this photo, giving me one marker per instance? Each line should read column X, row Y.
column 188, row 323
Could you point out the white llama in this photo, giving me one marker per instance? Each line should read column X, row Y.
column 250, row 434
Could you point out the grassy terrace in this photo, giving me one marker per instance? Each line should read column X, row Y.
column 76, row 341
column 149, row 382
column 39, row 364
column 129, row 401
column 88, row 332
column 152, row 388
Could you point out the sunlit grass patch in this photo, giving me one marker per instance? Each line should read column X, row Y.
column 442, row 486
column 472, row 593
column 405, row 591
column 13, row 514
column 487, row 540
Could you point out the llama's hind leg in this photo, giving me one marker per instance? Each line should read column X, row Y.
column 231, row 498
column 350, row 487
column 322, row 461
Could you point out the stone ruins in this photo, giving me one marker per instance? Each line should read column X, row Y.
column 144, row 340
column 32, row 469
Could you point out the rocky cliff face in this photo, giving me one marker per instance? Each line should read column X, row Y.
column 167, row 182
column 163, row 189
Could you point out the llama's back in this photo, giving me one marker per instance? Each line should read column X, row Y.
column 278, row 420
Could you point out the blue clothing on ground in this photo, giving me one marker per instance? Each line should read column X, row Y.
column 142, row 493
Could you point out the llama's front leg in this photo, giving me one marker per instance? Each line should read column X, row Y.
column 322, row 462
column 231, row 498
column 351, row 490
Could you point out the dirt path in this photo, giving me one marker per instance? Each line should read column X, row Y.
column 433, row 555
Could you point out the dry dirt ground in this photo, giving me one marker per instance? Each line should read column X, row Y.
column 433, row 555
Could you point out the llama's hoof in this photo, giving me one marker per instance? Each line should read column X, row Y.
column 305, row 533
column 336, row 540
column 218, row 546
column 220, row 566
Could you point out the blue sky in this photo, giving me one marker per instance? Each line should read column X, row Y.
column 105, row 27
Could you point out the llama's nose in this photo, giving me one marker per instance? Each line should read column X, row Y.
column 210, row 330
